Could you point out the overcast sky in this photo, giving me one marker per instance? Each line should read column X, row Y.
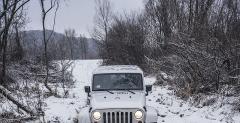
column 77, row 14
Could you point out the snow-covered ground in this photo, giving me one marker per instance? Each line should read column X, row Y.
column 66, row 109
column 171, row 109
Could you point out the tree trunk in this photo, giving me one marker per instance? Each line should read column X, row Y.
column 4, row 56
column 46, row 58
column 19, row 50
column 190, row 15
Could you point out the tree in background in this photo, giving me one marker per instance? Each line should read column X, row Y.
column 17, row 52
column 103, row 20
column 125, row 43
column 54, row 4
column 8, row 15
column 70, row 36
column 12, row 19
column 84, row 46
column 200, row 46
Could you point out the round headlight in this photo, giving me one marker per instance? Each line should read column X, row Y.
column 138, row 114
column 96, row 115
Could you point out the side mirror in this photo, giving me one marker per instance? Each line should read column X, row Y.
column 87, row 89
column 148, row 88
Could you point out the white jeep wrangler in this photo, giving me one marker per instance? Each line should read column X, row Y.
column 117, row 95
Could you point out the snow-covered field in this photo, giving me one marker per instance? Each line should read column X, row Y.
column 171, row 109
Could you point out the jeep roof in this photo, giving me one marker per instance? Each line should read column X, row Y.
column 118, row 69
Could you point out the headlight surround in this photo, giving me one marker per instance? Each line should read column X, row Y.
column 138, row 114
column 96, row 115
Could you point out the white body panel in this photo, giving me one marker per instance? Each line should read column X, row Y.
column 84, row 116
column 120, row 99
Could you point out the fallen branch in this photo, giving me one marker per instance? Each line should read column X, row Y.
column 17, row 119
column 6, row 93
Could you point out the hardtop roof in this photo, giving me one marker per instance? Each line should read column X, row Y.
column 118, row 69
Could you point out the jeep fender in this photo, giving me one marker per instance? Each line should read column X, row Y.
column 84, row 115
column 151, row 115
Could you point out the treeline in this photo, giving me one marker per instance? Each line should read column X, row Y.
column 197, row 42
column 66, row 46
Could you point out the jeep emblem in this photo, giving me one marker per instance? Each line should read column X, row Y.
column 122, row 92
column 117, row 98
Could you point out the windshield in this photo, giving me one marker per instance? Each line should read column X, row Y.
column 117, row 81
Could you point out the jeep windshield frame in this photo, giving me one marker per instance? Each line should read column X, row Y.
column 140, row 85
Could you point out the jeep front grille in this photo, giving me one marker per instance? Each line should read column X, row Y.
column 117, row 117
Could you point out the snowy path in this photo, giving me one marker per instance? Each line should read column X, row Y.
column 171, row 109
column 65, row 109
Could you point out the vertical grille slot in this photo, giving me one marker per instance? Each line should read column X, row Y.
column 121, row 117
column 113, row 117
column 131, row 117
column 117, row 117
column 104, row 117
column 109, row 117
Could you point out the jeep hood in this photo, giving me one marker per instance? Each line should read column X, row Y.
column 120, row 99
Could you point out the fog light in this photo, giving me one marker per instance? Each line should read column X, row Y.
column 138, row 115
column 96, row 115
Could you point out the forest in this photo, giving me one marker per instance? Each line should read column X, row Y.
column 195, row 41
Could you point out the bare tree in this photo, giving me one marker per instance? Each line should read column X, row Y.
column 126, row 40
column 70, row 38
column 103, row 19
column 83, row 45
column 18, row 25
column 8, row 13
column 11, row 20
column 162, row 16
column 54, row 4
column 201, row 42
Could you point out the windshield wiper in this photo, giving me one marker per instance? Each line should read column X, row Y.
column 110, row 92
column 130, row 91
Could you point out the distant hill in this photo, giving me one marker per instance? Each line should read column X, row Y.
column 33, row 44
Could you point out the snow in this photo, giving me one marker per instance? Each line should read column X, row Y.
column 65, row 109
column 171, row 109
column 118, row 69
